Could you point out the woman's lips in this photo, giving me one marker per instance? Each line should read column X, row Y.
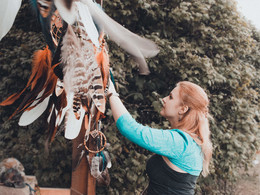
column 161, row 102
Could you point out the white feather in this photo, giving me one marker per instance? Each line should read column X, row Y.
column 94, row 167
column 135, row 45
column 37, row 98
column 72, row 125
column 108, row 159
column 49, row 117
column 8, row 12
column 69, row 16
column 59, row 88
column 60, row 117
column 30, row 116
column 88, row 23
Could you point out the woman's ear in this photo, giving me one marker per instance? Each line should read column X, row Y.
column 184, row 109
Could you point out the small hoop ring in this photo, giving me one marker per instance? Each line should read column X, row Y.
column 103, row 139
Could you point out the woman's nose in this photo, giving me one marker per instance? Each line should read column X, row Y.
column 164, row 100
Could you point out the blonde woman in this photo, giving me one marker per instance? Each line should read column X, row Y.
column 182, row 152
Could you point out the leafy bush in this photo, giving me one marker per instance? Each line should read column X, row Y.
column 206, row 42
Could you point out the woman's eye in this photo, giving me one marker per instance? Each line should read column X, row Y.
column 170, row 96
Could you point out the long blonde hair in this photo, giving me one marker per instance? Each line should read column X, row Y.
column 195, row 120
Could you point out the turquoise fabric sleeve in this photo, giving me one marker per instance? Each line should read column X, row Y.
column 175, row 144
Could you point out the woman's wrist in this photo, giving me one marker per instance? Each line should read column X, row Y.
column 112, row 94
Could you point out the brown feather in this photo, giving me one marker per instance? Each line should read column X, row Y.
column 42, row 78
column 41, row 65
column 81, row 76
column 52, row 127
column 59, row 103
column 11, row 99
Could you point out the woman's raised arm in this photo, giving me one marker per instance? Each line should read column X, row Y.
column 116, row 104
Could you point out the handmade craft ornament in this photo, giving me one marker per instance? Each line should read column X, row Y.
column 70, row 75
column 82, row 76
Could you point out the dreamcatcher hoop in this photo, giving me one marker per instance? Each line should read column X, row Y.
column 103, row 141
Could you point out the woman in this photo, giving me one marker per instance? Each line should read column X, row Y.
column 183, row 151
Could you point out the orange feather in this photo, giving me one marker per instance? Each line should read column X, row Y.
column 103, row 62
column 41, row 65
column 42, row 78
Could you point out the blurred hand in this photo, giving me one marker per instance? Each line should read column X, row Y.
column 111, row 90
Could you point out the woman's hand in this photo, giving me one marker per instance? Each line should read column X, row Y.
column 116, row 104
column 111, row 90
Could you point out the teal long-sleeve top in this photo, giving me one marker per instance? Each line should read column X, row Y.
column 178, row 146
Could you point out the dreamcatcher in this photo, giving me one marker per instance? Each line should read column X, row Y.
column 70, row 75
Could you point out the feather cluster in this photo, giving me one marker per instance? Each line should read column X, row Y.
column 69, row 76
column 39, row 86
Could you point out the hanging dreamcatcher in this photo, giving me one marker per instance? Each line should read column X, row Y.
column 70, row 75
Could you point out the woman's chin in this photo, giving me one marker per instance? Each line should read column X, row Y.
column 162, row 113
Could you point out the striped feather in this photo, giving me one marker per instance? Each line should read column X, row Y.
column 82, row 75
column 96, row 163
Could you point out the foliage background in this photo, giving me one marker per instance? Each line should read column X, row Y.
column 203, row 41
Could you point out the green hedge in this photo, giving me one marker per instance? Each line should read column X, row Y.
column 206, row 42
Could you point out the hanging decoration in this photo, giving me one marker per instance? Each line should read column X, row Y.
column 70, row 74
